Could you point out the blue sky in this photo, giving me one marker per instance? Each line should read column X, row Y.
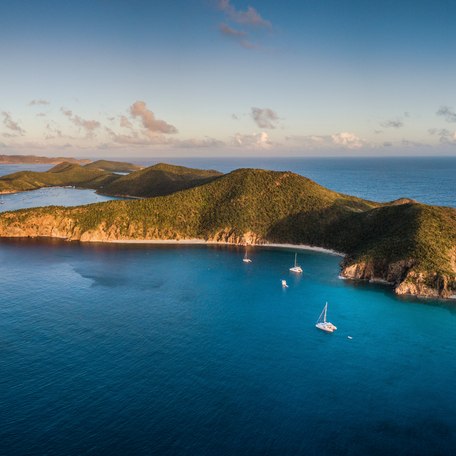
column 227, row 77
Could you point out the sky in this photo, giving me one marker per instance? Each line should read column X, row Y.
column 151, row 78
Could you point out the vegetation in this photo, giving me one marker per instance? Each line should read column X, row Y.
column 63, row 174
column 101, row 175
column 35, row 159
column 113, row 166
column 159, row 180
column 265, row 206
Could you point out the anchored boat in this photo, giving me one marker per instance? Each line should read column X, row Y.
column 323, row 324
column 296, row 268
column 246, row 259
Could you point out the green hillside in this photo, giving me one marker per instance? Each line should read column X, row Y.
column 113, row 166
column 101, row 175
column 35, row 159
column 158, row 180
column 63, row 174
column 410, row 245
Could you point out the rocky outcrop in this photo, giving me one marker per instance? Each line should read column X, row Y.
column 402, row 276
column 405, row 244
column 64, row 227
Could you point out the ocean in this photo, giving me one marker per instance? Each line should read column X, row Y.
column 186, row 350
column 429, row 180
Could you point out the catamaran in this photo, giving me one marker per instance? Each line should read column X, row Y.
column 323, row 324
column 296, row 267
column 246, row 259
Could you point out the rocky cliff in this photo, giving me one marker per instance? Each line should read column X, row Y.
column 403, row 277
column 410, row 246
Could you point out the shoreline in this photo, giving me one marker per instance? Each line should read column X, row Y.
column 203, row 242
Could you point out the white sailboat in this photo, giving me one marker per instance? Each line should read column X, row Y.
column 246, row 259
column 296, row 267
column 323, row 324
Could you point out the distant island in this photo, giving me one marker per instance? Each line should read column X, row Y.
column 110, row 178
column 37, row 160
column 409, row 245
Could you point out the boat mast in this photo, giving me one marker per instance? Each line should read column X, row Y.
column 296, row 256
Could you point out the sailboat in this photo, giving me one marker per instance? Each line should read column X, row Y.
column 246, row 259
column 323, row 324
column 296, row 267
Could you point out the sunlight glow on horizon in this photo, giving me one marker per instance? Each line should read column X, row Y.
column 221, row 79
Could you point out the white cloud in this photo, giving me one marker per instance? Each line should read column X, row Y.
column 150, row 123
column 248, row 17
column 392, row 124
column 445, row 135
column 265, row 117
column 38, row 102
column 12, row 125
column 88, row 126
column 125, row 123
column 237, row 35
column 345, row 140
column 448, row 113
column 255, row 141
column 199, row 142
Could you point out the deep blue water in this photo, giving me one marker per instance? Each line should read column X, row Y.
column 430, row 180
column 10, row 169
column 186, row 350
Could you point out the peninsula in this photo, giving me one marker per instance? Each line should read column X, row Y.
column 111, row 178
column 38, row 160
column 410, row 245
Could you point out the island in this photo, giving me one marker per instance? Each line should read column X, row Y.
column 38, row 160
column 409, row 245
column 110, row 178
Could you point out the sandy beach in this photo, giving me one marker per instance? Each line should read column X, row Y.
column 202, row 241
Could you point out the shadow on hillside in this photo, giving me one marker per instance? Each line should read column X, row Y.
column 313, row 227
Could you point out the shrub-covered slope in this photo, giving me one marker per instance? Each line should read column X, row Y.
column 113, row 166
column 159, row 180
column 410, row 245
column 62, row 174
column 101, row 175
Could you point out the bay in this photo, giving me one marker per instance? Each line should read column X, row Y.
column 118, row 349
column 174, row 349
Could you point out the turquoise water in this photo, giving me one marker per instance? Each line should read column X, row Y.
column 187, row 350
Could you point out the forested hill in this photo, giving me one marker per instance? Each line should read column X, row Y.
column 411, row 245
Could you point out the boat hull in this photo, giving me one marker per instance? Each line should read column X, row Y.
column 326, row 327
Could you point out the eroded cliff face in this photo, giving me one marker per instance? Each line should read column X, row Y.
column 403, row 276
column 64, row 227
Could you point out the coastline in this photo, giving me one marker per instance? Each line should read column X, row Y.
column 203, row 242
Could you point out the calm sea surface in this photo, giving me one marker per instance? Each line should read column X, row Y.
column 55, row 196
column 428, row 180
column 186, row 350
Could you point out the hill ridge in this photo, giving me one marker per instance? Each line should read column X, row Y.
column 410, row 245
